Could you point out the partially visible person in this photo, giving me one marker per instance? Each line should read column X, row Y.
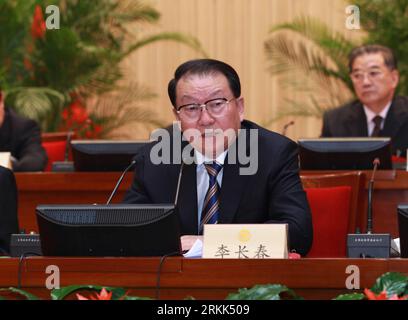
column 377, row 112
column 8, row 209
column 22, row 138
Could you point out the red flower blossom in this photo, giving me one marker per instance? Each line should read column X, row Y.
column 103, row 295
column 372, row 296
column 38, row 25
column 78, row 112
column 382, row 296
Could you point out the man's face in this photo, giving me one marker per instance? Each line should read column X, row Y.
column 374, row 83
column 210, row 135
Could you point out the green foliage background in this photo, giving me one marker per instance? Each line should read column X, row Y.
column 41, row 75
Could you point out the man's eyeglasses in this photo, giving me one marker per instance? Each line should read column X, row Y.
column 215, row 107
column 359, row 76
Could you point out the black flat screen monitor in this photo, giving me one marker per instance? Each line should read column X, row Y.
column 104, row 155
column 344, row 153
column 109, row 230
column 403, row 229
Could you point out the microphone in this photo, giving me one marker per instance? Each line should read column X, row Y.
column 376, row 163
column 66, row 165
column 120, row 180
column 286, row 126
column 68, row 142
column 178, row 183
column 369, row 245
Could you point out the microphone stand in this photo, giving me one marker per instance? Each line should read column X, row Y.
column 120, row 180
column 369, row 245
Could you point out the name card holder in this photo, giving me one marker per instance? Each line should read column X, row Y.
column 245, row 241
column 5, row 160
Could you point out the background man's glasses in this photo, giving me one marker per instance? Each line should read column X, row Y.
column 359, row 76
column 215, row 108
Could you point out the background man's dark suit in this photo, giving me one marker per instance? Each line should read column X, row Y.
column 274, row 194
column 350, row 121
column 22, row 137
column 8, row 208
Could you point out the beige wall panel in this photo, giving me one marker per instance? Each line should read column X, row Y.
column 233, row 31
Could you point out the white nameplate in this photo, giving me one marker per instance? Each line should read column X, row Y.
column 5, row 159
column 245, row 241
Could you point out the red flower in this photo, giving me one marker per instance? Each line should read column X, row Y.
column 38, row 25
column 78, row 112
column 372, row 296
column 382, row 296
column 104, row 295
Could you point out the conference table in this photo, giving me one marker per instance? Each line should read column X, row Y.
column 199, row 278
column 181, row 277
column 391, row 189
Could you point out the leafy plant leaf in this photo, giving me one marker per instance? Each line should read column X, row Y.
column 261, row 292
column 60, row 294
column 23, row 293
column 392, row 283
column 350, row 296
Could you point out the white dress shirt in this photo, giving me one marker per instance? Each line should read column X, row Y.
column 370, row 115
column 203, row 177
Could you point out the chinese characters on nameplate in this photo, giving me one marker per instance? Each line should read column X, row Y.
column 245, row 241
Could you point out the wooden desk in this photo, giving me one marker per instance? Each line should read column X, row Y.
column 391, row 188
column 64, row 188
column 310, row 278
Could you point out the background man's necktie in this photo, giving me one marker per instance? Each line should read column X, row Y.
column 377, row 121
column 211, row 208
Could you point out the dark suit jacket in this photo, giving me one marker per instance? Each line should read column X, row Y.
column 8, row 208
column 273, row 195
column 22, row 137
column 350, row 121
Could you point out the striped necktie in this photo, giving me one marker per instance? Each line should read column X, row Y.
column 211, row 206
column 377, row 128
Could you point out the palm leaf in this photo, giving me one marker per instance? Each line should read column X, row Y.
column 123, row 107
column 319, row 58
column 172, row 36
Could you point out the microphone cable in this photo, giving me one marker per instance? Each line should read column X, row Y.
column 120, row 180
column 20, row 265
column 159, row 270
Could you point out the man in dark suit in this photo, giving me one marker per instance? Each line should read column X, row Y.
column 22, row 138
column 377, row 112
column 8, row 209
column 215, row 188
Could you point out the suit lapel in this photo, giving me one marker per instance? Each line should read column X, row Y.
column 188, row 199
column 394, row 120
column 233, row 185
column 356, row 122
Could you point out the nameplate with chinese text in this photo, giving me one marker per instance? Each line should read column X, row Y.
column 5, row 160
column 245, row 241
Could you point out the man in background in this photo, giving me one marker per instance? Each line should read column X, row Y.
column 377, row 112
column 22, row 138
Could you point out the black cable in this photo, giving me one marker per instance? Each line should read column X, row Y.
column 162, row 259
column 20, row 264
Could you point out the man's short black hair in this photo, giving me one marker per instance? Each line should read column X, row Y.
column 204, row 67
column 389, row 57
